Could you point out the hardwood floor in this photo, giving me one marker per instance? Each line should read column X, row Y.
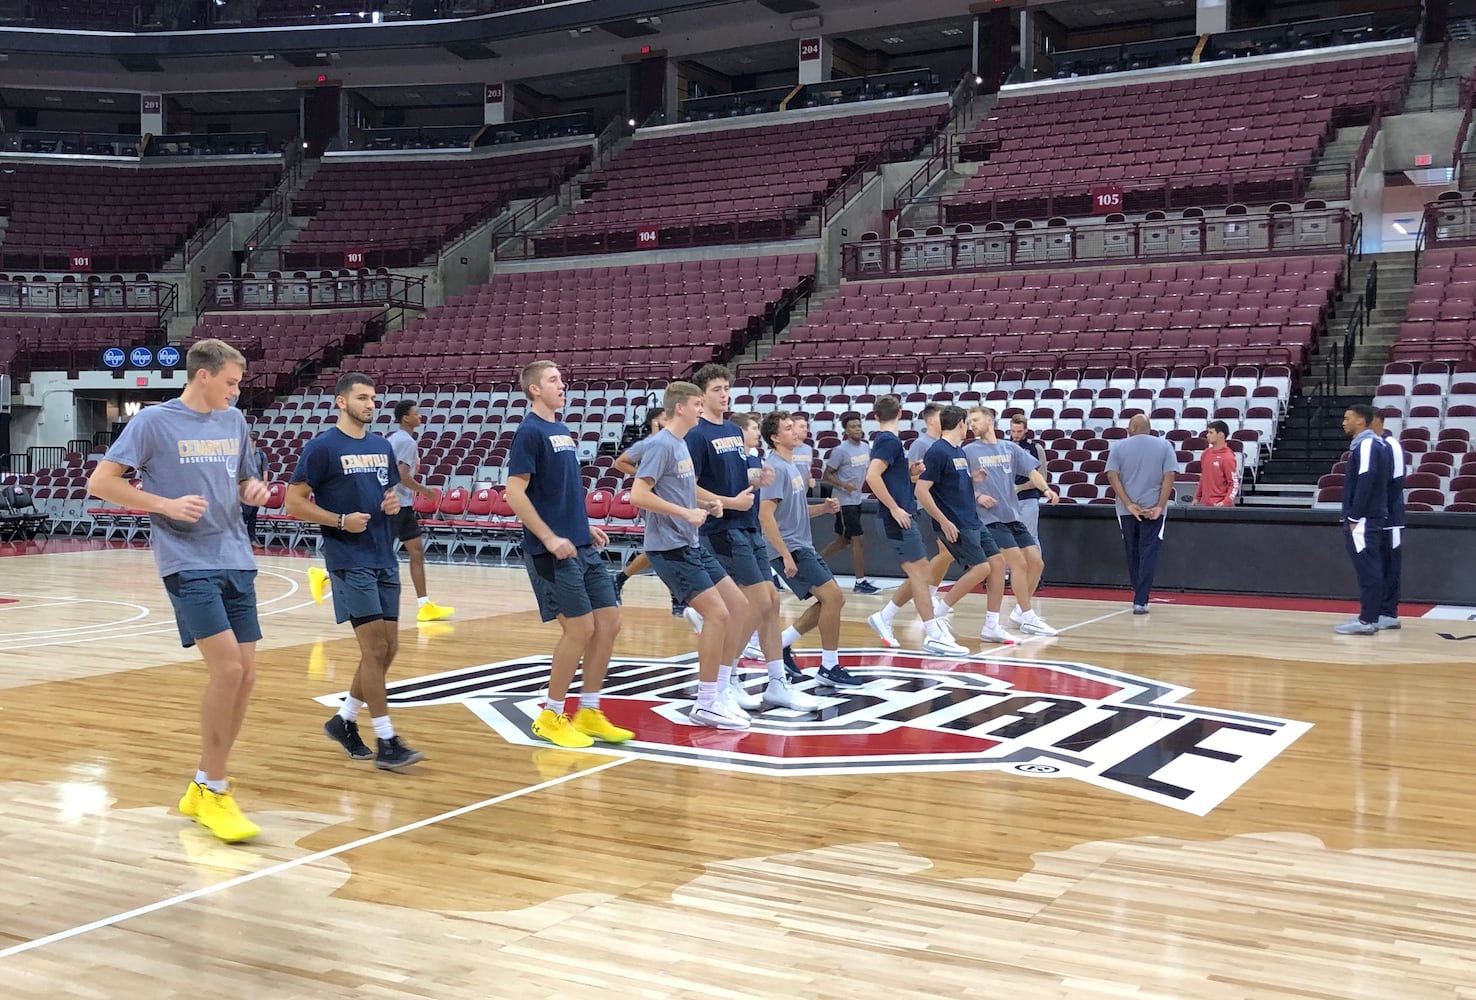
column 1208, row 802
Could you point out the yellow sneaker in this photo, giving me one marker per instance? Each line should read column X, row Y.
column 592, row 722
column 190, row 804
column 317, row 583
column 219, row 814
column 430, row 611
column 558, row 730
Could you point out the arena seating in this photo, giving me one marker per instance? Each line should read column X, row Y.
column 134, row 213
column 655, row 320
column 765, row 179
column 1255, row 312
column 1440, row 324
column 364, row 203
column 1198, row 132
column 277, row 345
column 66, row 343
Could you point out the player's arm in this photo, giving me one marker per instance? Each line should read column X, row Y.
column 827, row 506
column 516, row 493
column 625, row 465
column 109, row 483
column 883, row 495
column 769, row 522
column 1232, row 480
column 743, row 501
column 1165, row 494
column 1039, row 481
column 1114, row 479
column 924, row 492
column 643, row 495
column 300, row 504
column 411, row 483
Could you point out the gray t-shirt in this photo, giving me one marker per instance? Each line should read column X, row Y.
column 848, row 460
column 635, row 451
column 793, row 512
column 1142, row 460
column 919, row 447
column 179, row 452
column 408, row 455
column 668, row 464
column 1000, row 462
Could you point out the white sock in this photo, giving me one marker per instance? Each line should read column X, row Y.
column 1028, row 616
column 706, row 693
column 790, row 637
column 218, row 787
column 349, row 710
column 776, row 670
column 589, row 699
column 382, row 728
column 991, row 619
column 725, row 676
column 888, row 612
column 201, row 777
column 421, row 602
column 933, row 592
column 829, row 658
column 556, row 707
column 753, row 640
column 931, row 627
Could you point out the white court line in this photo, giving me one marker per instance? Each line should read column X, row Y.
column 18, row 606
column 306, row 859
column 125, row 630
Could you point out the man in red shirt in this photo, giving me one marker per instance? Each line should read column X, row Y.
column 1219, row 480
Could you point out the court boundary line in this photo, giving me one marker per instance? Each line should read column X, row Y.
column 307, row 859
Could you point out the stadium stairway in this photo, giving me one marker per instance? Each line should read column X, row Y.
column 1310, row 442
column 1329, row 176
column 761, row 347
column 1429, row 92
column 1396, row 279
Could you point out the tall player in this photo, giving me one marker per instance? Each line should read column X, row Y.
column 666, row 489
column 995, row 465
column 720, row 462
column 1365, row 509
column 845, row 469
column 189, row 455
column 945, row 490
column 343, row 482
column 561, row 551
column 785, row 514
column 890, row 479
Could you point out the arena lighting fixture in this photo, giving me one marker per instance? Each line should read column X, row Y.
column 953, row 31
column 631, row 122
column 893, row 40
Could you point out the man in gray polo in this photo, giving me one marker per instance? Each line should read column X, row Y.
column 1141, row 470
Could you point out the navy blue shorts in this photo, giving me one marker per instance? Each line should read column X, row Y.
column 1011, row 535
column 364, row 595
column 687, row 571
column 211, row 601
column 572, row 587
column 848, row 522
column 811, row 572
column 742, row 554
column 906, row 542
column 974, row 546
column 406, row 524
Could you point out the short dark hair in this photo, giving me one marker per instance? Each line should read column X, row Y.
column 654, row 414
column 711, row 373
column 1364, row 412
column 847, row 417
column 930, row 409
column 348, row 380
column 770, row 426
column 1218, row 425
column 403, row 408
column 888, row 408
column 950, row 417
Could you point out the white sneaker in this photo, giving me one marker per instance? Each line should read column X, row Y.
column 883, row 631
column 782, row 694
column 716, row 717
column 694, row 619
column 1036, row 625
column 739, row 696
column 1015, row 615
column 941, row 610
column 997, row 635
column 944, row 642
column 753, row 651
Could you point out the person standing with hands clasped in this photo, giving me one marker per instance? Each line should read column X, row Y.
column 345, row 481
column 1141, row 470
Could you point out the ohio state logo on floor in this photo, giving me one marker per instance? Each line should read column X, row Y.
column 1035, row 718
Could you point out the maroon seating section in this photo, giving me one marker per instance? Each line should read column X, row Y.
column 276, row 345
column 1441, row 321
column 113, row 210
column 1256, row 312
column 358, row 204
column 645, row 319
column 758, row 173
column 1273, row 121
column 60, row 343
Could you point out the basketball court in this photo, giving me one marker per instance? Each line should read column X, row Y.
column 1210, row 801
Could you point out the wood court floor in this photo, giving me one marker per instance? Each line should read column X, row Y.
column 1326, row 850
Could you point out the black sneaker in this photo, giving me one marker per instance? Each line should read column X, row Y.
column 394, row 755
column 620, row 581
column 792, row 669
column 838, row 676
column 346, row 735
